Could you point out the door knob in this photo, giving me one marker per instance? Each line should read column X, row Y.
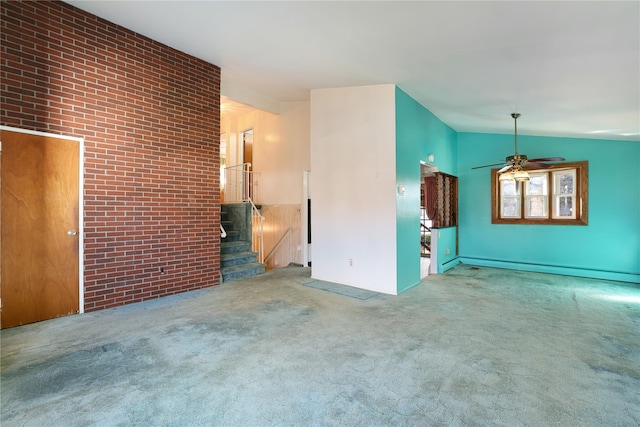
column 72, row 233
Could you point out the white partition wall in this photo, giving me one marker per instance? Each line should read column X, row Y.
column 353, row 218
column 282, row 153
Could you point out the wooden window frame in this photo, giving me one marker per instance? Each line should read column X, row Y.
column 582, row 197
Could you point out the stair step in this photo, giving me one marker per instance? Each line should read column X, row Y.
column 243, row 271
column 237, row 259
column 232, row 236
column 230, row 247
column 232, row 259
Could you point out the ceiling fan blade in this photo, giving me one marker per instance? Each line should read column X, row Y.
column 547, row 159
column 537, row 165
column 506, row 168
column 487, row 166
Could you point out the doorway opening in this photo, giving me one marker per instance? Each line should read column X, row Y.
column 247, row 154
column 428, row 240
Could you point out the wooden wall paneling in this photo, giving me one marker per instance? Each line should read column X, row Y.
column 278, row 219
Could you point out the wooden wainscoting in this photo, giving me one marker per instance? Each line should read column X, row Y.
column 279, row 219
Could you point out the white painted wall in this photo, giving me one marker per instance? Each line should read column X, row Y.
column 229, row 125
column 281, row 152
column 353, row 186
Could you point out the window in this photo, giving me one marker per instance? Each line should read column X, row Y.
column 556, row 195
column 564, row 194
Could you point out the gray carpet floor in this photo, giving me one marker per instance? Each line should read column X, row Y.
column 473, row 347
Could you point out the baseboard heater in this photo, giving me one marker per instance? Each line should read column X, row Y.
column 554, row 269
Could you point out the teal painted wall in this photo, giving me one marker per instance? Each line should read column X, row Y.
column 609, row 247
column 418, row 134
column 446, row 240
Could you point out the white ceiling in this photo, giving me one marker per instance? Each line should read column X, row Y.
column 571, row 68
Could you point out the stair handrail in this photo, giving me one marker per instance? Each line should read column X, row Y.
column 423, row 244
column 277, row 245
column 255, row 212
column 238, row 183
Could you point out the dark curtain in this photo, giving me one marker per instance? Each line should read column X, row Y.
column 430, row 189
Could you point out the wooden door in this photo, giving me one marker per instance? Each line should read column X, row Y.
column 247, row 147
column 40, row 226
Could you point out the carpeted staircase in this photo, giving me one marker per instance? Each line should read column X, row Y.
column 237, row 259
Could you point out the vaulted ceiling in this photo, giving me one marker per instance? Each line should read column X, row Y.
column 571, row 68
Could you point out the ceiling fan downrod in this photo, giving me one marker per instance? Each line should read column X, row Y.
column 515, row 125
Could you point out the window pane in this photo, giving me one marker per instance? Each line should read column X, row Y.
column 510, row 207
column 537, row 185
column 536, row 207
column 564, row 182
column 565, row 206
column 510, row 199
column 509, row 188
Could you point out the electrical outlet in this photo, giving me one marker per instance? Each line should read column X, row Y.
column 447, row 251
column 350, row 262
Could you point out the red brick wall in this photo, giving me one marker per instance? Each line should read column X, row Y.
column 150, row 116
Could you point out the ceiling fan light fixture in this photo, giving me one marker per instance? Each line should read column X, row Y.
column 521, row 176
column 506, row 176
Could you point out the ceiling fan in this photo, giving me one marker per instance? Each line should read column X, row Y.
column 514, row 167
